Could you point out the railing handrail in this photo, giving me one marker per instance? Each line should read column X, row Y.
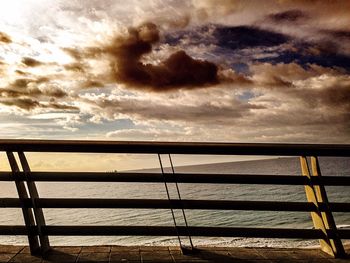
column 317, row 202
column 209, row 148
column 192, row 178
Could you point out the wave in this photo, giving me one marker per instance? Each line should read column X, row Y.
column 343, row 226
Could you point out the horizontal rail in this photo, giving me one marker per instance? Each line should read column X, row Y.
column 275, row 149
column 170, row 231
column 175, row 204
column 178, row 177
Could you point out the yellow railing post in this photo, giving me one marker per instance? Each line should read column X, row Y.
column 324, row 220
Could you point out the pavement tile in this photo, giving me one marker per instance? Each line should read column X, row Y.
column 10, row 249
column 200, row 261
column 211, row 248
column 125, row 248
column 177, row 255
column 25, row 258
column 4, row 257
column 125, row 256
column 94, row 257
column 68, row 250
column 60, row 258
column 288, row 254
column 156, row 255
column 173, row 254
column 309, row 254
column 244, row 253
column 25, row 250
column 155, row 248
column 96, row 249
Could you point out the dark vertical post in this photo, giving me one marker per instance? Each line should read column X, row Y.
column 38, row 212
column 27, row 212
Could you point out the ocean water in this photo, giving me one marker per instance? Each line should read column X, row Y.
column 162, row 217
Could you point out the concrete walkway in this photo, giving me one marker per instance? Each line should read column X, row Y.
column 165, row 254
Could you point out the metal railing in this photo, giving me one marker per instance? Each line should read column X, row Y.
column 38, row 232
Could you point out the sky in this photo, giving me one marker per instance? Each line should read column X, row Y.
column 195, row 70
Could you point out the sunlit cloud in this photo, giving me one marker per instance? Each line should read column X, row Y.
column 176, row 70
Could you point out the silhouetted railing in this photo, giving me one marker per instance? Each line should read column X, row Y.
column 37, row 231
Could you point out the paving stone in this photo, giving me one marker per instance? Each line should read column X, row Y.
column 4, row 257
column 206, row 248
column 201, row 261
column 177, row 255
column 174, row 248
column 125, row 257
column 26, row 258
column 215, row 255
column 25, row 250
column 245, row 253
column 300, row 261
column 154, row 248
column 96, row 249
column 308, row 254
column 173, row 254
column 60, row 257
column 285, row 254
column 93, row 257
column 68, row 250
column 156, row 256
column 125, row 248
column 10, row 249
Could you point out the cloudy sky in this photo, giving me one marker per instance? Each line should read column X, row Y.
column 200, row 70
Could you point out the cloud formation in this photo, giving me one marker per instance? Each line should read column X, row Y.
column 4, row 38
column 29, row 93
column 31, row 62
column 277, row 70
column 126, row 53
column 289, row 16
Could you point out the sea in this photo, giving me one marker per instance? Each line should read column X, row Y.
column 335, row 166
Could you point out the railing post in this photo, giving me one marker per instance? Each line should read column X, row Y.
column 324, row 221
column 27, row 212
column 38, row 212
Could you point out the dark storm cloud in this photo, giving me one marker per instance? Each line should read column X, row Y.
column 76, row 67
column 204, row 112
column 178, row 70
column 322, row 54
column 4, row 38
column 336, row 95
column 22, row 103
column 90, row 83
column 10, row 93
column 29, row 104
column 230, row 37
column 20, row 72
column 32, row 92
column 338, row 34
column 24, row 82
column 332, row 92
column 289, row 16
column 251, row 44
column 20, row 83
column 54, row 92
column 59, row 106
column 126, row 52
column 24, row 93
column 240, row 37
column 31, row 62
column 75, row 53
column 334, row 98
